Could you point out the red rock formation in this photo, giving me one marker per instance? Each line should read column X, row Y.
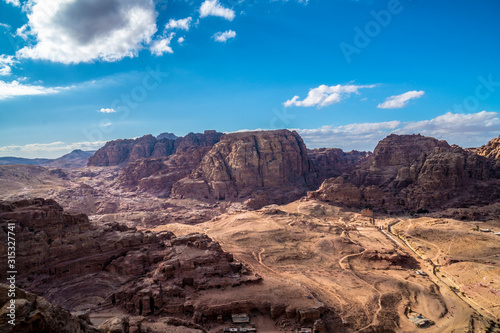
column 412, row 172
column 490, row 150
column 243, row 163
column 334, row 162
column 35, row 314
column 120, row 152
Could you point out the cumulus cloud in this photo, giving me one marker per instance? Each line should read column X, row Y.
column 16, row 3
column 70, row 31
column 180, row 40
column 15, row 88
column 222, row 37
column 6, row 61
column 400, row 101
column 183, row 24
column 107, row 110
column 326, row 95
column 466, row 130
column 213, row 8
column 162, row 46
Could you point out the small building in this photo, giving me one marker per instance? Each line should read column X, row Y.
column 241, row 318
column 421, row 321
column 421, row 272
column 496, row 233
column 305, row 330
column 485, row 230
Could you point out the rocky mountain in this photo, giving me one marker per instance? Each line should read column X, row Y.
column 413, row 172
column 76, row 159
column 20, row 160
column 122, row 152
column 166, row 135
column 491, row 149
column 334, row 162
column 262, row 164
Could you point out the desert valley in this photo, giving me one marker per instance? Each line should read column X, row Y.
column 254, row 232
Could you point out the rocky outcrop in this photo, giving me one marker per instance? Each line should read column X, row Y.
column 121, row 152
column 35, row 314
column 77, row 264
column 339, row 191
column 413, row 172
column 334, row 162
column 242, row 164
column 490, row 150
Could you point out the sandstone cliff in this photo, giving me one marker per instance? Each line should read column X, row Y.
column 413, row 172
column 334, row 162
column 491, row 149
column 120, row 152
column 262, row 163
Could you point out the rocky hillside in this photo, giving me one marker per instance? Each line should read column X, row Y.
column 490, row 150
column 267, row 163
column 334, row 162
column 413, row 172
column 121, row 152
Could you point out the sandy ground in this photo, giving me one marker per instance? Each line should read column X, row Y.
column 323, row 249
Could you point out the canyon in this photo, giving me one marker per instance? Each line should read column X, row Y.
column 178, row 234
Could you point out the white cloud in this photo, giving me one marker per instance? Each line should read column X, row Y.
column 23, row 32
column 14, row 2
column 70, row 31
column 325, row 95
column 224, row 36
column 180, row 40
column 400, row 101
column 6, row 61
column 213, row 8
column 183, row 24
column 5, row 26
column 14, row 89
column 466, row 130
column 161, row 46
column 48, row 148
column 107, row 110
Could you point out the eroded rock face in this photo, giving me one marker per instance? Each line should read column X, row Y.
column 243, row 163
column 35, row 314
column 121, row 152
column 334, row 162
column 490, row 150
column 78, row 265
column 413, row 172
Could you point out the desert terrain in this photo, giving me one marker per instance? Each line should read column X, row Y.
column 358, row 246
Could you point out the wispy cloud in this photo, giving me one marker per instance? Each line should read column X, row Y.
column 466, row 130
column 400, row 101
column 213, row 8
column 222, row 37
column 15, row 89
column 6, row 62
column 51, row 147
column 326, row 95
column 16, row 3
column 107, row 110
column 162, row 46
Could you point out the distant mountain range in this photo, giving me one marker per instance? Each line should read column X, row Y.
column 76, row 159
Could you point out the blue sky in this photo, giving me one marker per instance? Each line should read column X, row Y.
column 343, row 73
